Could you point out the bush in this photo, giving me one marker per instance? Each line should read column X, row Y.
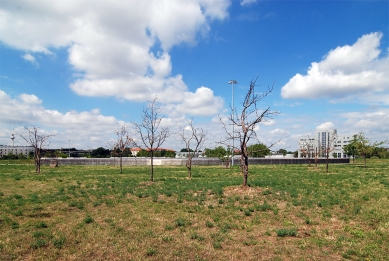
column 88, row 220
column 284, row 232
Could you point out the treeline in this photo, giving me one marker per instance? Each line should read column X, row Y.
column 356, row 151
column 361, row 146
column 96, row 153
column 12, row 156
column 259, row 150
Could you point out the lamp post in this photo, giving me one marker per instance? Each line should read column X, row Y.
column 69, row 148
column 233, row 124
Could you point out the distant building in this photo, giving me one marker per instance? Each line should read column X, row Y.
column 184, row 154
column 16, row 150
column 287, row 156
column 309, row 145
column 135, row 151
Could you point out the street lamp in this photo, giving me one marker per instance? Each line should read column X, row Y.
column 69, row 148
column 233, row 124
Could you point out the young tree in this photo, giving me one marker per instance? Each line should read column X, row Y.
column 258, row 150
column 351, row 148
column 192, row 138
column 122, row 142
column 381, row 152
column 246, row 123
column 329, row 147
column 282, row 152
column 36, row 140
column 218, row 152
column 151, row 134
column 364, row 147
column 308, row 148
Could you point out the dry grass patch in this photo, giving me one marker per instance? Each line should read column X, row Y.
column 287, row 213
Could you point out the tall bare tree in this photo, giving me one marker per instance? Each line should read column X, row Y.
column 150, row 132
column 194, row 139
column 329, row 146
column 308, row 148
column 246, row 122
column 36, row 140
column 122, row 142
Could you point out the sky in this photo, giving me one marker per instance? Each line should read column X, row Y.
column 80, row 69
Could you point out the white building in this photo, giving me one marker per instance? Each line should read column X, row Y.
column 16, row 150
column 322, row 141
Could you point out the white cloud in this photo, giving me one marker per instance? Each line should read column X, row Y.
column 86, row 128
column 30, row 99
column 355, row 71
column 119, row 48
column 372, row 121
column 80, row 127
column 28, row 57
column 200, row 103
column 269, row 122
column 247, row 2
column 326, row 126
column 280, row 133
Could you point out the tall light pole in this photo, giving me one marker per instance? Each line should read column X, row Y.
column 69, row 148
column 233, row 124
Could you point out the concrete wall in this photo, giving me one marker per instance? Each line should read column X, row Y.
column 196, row 161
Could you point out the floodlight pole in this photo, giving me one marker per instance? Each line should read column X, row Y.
column 233, row 124
column 69, row 148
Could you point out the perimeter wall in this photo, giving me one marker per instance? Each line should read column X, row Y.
column 195, row 161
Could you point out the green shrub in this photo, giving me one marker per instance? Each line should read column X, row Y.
column 285, row 232
column 209, row 224
column 41, row 225
column 88, row 220
column 151, row 251
column 38, row 243
column 59, row 242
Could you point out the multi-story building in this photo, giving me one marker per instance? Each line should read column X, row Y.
column 16, row 150
column 323, row 142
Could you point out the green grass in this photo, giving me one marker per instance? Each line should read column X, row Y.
column 292, row 212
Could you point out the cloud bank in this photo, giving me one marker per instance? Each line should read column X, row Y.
column 356, row 71
column 120, row 48
column 87, row 127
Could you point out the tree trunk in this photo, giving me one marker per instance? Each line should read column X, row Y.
column 327, row 163
column 121, row 168
column 37, row 165
column 364, row 160
column 37, row 161
column 189, row 166
column 152, row 166
column 244, row 161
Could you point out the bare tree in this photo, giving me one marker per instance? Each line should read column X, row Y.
column 37, row 141
column 122, row 142
column 245, row 124
column 151, row 134
column 316, row 157
column 193, row 138
column 328, row 147
column 308, row 148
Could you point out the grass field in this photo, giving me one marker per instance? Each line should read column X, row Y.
column 288, row 212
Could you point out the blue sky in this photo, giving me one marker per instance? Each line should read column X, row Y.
column 80, row 69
